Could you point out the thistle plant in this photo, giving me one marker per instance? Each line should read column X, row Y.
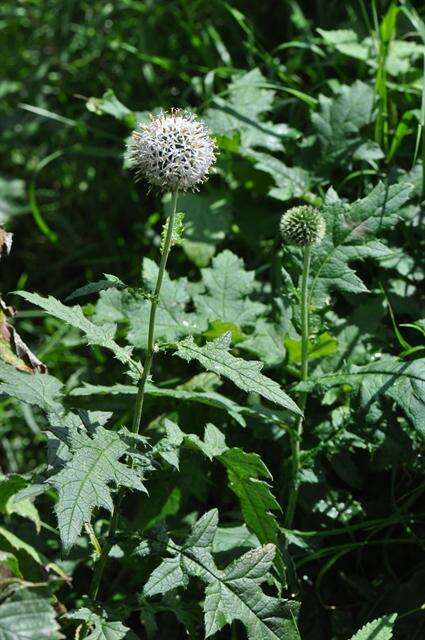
column 174, row 152
column 304, row 227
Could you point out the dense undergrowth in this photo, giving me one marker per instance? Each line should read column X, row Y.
column 226, row 514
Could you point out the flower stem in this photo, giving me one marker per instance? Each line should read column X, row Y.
column 154, row 305
column 296, row 434
column 101, row 563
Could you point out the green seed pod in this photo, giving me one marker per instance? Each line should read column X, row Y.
column 303, row 226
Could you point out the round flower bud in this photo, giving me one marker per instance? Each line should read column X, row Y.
column 173, row 152
column 303, row 226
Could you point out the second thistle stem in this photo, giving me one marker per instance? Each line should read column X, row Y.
column 154, row 305
column 296, row 434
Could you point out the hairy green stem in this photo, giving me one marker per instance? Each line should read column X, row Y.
column 101, row 562
column 154, row 305
column 296, row 434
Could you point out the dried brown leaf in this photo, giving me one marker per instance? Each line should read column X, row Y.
column 13, row 349
column 5, row 242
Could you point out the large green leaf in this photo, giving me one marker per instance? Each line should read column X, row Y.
column 206, row 221
column 350, row 232
column 379, row 629
column 402, row 382
column 340, row 119
column 9, row 487
column 290, row 182
column 227, row 288
column 172, row 321
column 400, row 57
column 28, row 616
column 39, row 389
column 266, row 342
column 245, row 374
column 83, row 483
column 242, row 113
column 248, row 476
column 233, row 593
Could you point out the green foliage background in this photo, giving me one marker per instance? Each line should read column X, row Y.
column 307, row 100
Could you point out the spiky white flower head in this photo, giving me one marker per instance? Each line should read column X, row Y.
column 303, row 226
column 174, row 151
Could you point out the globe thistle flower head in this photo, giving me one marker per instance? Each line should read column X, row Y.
column 302, row 226
column 174, row 151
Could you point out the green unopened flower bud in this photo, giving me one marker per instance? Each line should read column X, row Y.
column 303, row 226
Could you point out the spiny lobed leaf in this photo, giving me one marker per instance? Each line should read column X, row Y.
column 74, row 316
column 241, row 113
column 402, row 382
column 350, row 232
column 291, row 182
column 245, row 374
column 209, row 398
column 230, row 594
column 172, row 321
column 221, row 295
column 340, row 119
column 228, row 284
column 247, row 475
column 83, row 483
column 40, row 389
